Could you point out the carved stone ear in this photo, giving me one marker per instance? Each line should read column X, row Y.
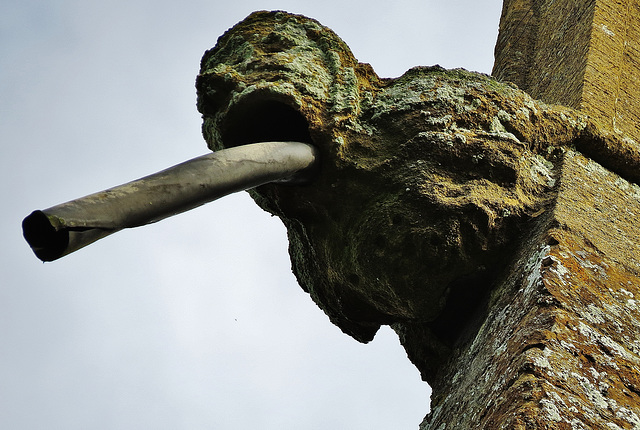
column 275, row 57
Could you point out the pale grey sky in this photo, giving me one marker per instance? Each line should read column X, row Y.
column 195, row 322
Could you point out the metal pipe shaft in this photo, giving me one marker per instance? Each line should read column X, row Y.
column 62, row 229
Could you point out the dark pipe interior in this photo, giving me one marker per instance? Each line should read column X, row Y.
column 265, row 121
column 47, row 243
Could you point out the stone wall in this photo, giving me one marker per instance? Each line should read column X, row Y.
column 496, row 234
column 559, row 347
column 582, row 54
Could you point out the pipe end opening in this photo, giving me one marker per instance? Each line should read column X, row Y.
column 45, row 240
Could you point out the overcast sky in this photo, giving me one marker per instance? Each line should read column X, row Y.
column 195, row 322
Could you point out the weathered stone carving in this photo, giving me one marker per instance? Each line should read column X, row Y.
column 427, row 184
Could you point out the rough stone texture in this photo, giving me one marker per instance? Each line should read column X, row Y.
column 583, row 54
column 459, row 211
column 559, row 347
column 612, row 76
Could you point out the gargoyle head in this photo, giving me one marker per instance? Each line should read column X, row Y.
column 425, row 183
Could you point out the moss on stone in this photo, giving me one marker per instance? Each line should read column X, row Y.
column 427, row 181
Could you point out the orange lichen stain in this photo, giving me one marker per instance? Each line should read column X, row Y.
column 592, row 362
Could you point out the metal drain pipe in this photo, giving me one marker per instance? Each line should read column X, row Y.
column 55, row 232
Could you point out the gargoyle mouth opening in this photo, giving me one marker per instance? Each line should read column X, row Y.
column 264, row 121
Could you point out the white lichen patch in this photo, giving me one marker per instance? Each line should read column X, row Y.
column 420, row 88
column 591, row 392
column 526, row 113
column 576, row 424
column 450, row 95
column 497, row 126
column 599, row 270
column 626, row 293
column 542, row 362
column 594, row 314
column 569, row 347
column 550, row 410
column 578, row 122
column 560, row 270
column 531, row 105
column 609, row 345
column 606, row 30
column 445, row 121
column 629, row 416
column 541, row 170
column 533, row 268
column 497, row 129
column 633, row 190
column 617, row 349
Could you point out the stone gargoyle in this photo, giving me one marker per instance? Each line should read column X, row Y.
column 423, row 188
column 426, row 185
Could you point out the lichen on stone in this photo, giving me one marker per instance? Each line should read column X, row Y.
column 440, row 193
column 425, row 181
